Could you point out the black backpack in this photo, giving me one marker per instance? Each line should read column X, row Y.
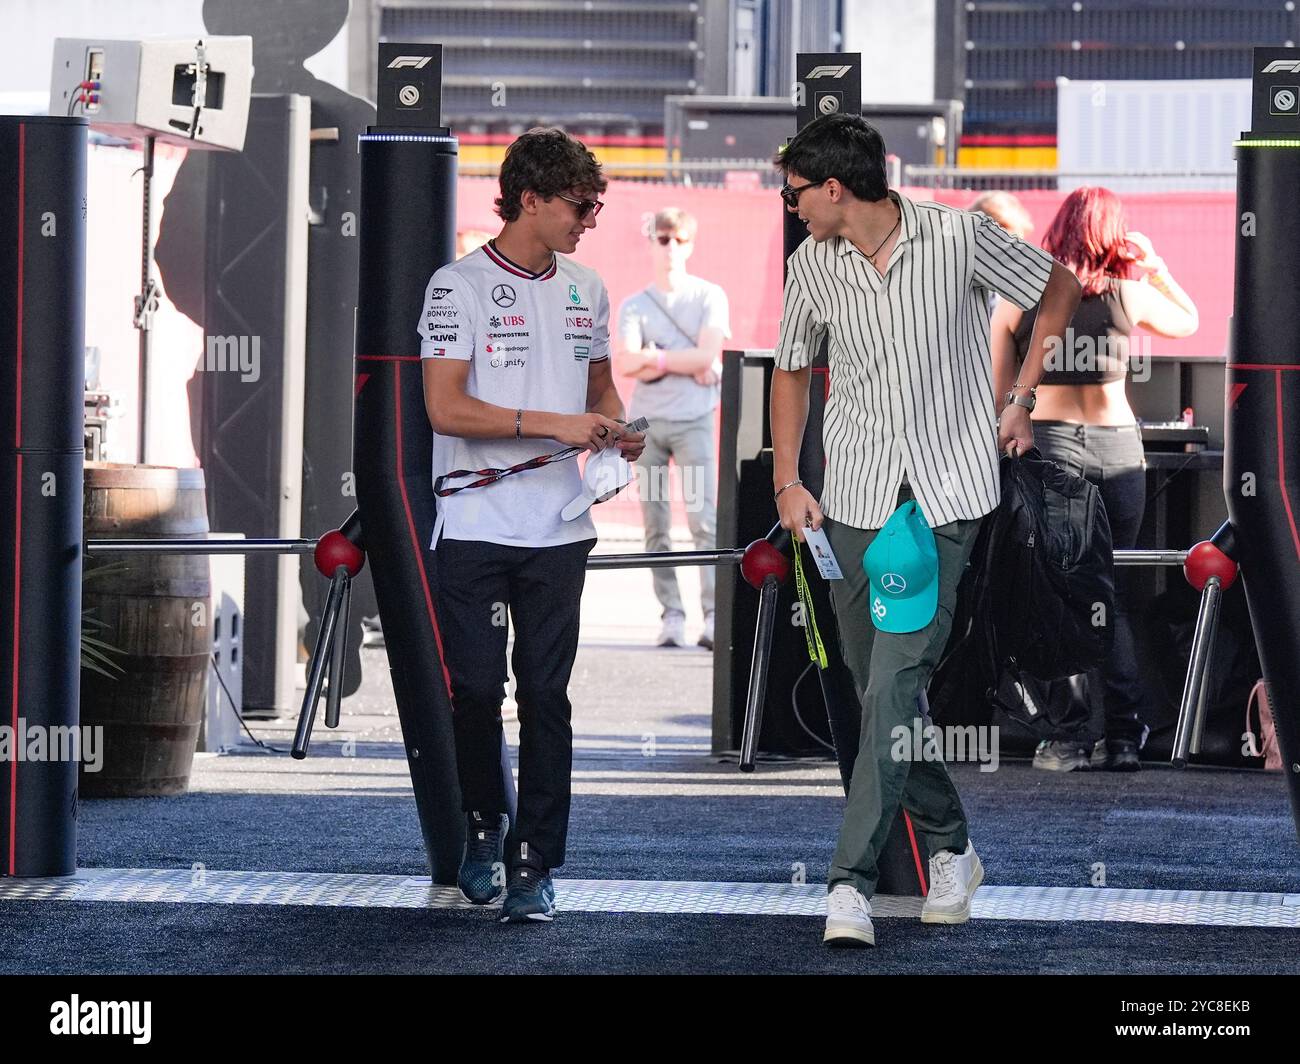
column 1043, row 593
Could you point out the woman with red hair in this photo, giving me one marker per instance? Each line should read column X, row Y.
column 1083, row 422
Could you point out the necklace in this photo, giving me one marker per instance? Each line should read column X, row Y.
column 872, row 256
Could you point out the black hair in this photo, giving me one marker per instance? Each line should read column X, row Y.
column 843, row 146
column 548, row 161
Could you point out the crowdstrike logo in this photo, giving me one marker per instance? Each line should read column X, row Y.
column 102, row 1017
column 414, row 62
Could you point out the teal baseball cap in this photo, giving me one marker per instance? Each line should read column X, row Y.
column 902, row 566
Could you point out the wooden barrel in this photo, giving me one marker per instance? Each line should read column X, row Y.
column 157, row 609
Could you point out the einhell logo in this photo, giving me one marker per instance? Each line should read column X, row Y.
column 1282, row 66
column 826, row 72
column 413, row 62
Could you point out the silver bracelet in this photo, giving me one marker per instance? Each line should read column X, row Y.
column 784, row 486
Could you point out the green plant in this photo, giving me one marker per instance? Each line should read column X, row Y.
column 97, row 654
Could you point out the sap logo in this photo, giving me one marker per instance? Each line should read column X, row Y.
column 578, row 323
column 827, row 72
column 1282, row 66
column 438, row 293
column 445, row 338
column 414, row 62
column 513, row 319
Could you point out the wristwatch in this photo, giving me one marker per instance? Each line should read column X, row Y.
column 1027, row 401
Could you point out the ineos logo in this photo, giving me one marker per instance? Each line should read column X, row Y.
column 503, row 295
column 893, row 583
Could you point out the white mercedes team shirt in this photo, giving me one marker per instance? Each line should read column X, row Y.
column 529, row 339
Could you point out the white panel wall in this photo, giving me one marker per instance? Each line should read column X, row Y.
column 896, row 40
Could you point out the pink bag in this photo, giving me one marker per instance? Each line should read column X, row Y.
column 1267, row 728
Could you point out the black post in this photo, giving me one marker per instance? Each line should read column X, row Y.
column 1261, row 467
column 42, row 381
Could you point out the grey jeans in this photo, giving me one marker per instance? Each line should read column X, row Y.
column 690, row 444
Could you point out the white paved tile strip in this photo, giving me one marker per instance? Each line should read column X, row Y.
column 208, row 886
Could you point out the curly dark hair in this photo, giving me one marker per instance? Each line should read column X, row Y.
column 844, row 146
column 548, row 161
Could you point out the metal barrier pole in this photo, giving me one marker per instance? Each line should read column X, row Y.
column 319, row 657
column 1191, row 711
column 338, row 652
column 764, row 631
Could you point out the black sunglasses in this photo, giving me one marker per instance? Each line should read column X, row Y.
column 790, row 194
column 585, row 207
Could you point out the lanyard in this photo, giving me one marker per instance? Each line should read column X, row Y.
column 816, row 650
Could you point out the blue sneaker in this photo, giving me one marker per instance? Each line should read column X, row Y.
column 482, row 868
column 530, row 896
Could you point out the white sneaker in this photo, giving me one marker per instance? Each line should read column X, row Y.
column 848, row 918
column 954, row 878
column 706, row 633
column 673, row 632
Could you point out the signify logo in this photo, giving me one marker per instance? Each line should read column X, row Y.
column 75, row 1016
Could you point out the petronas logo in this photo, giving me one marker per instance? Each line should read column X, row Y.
column 573, row 294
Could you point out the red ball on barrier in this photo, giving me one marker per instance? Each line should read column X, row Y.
column 1206, row 560
column 334, row 549
column 762, row 560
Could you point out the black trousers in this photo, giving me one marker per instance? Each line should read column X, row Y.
column 1111, row 456
column 542, row 589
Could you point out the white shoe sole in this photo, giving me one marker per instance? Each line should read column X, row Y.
column 850, row 937
column 963, row 915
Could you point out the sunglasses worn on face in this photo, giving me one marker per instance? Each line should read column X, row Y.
column 666, row 240
column 790, row 193
column 585, row 207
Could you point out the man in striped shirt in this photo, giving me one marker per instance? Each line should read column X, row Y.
column 899, row 291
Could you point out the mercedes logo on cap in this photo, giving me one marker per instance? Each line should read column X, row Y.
column 503, row 295
column 893, row 583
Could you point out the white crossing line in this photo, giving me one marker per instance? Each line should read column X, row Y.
column 208, row 886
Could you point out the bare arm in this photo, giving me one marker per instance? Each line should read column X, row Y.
column 452, row 412
column 1055, row 311
column 1002, row 330
column 789, row 418
column 1158, row 303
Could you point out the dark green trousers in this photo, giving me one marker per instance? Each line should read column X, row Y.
column 890, row 670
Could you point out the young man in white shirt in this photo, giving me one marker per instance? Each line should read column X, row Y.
column 669, row 340
column 899, row 290
column 515, row 343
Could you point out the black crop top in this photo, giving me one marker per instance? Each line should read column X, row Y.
column 1095, row 350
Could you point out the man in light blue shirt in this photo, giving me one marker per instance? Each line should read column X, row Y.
column 669, row 340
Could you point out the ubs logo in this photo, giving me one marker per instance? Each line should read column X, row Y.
column 513, row 319
column 503, row 295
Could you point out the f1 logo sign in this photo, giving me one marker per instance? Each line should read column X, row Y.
column 415, row 62
column 827, row 72
column 1278, row 66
